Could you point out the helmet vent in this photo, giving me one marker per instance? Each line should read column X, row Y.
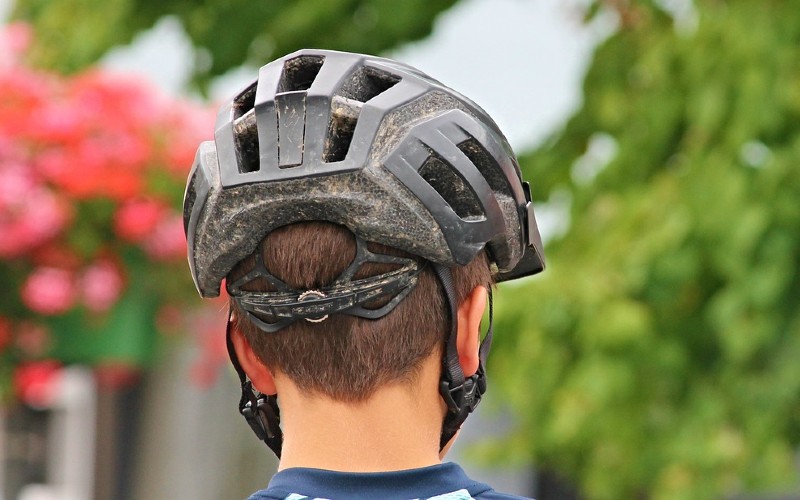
column 344, row 116
column 485, row 164
column 245, row 131
column 367, row 83
column 451, row 186
column 245, row 101
column 364, row 84
column 299, row 73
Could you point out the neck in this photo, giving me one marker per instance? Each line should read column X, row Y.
column 397, row 428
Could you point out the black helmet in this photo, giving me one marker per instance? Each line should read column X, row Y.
column 368, row 143
column 365, row 142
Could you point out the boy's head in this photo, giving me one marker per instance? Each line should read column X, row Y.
column 351, row 203
column 346, row 357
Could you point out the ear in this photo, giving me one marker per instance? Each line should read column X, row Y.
column 256, row 370
column 470, row 313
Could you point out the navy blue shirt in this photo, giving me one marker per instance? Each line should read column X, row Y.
column 440, row 482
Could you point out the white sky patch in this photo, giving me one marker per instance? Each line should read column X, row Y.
column 601, row 150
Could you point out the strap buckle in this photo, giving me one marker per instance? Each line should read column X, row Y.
column 466, row 396
column 263, row 416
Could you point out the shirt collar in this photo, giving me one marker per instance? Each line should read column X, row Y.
column 405, row 484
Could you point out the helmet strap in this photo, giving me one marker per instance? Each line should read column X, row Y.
column 461, row 394
column 260, row 410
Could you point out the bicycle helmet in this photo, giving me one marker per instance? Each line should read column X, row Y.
column 373, row 145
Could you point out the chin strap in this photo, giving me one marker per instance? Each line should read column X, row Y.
column 260, row 410
column 461, row 394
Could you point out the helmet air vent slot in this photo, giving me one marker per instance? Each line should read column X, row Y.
column 486, row 164
column 364, row 84
column 245, row 131
column 368, row 83
column 446, row 180
column 299, row 73
column 344, row 116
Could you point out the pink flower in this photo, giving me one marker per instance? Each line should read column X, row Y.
column 137, row 219
column 49, row 290
column 167, row 241
column 24, row 93
column 36, row 383
column 16, row 182
column 36, row 220
column 14, row 40
column 30, row 214
column 101, row 285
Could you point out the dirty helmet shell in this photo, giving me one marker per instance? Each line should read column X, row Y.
column 365, row 142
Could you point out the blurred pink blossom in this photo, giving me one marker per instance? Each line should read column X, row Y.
column 60, row 122
column 49, row 290
column 101, row 284
column 17, row 181
column 36, row 383
column 30, row 214
column 14, row 40
column 97, row 152
column 167, row 241
column 137, row 219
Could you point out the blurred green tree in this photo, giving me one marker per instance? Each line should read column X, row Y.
column 70, row 34
column 660, row 351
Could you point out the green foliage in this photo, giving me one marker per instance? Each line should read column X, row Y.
column 126, row 335
column 71, row 34
column 661, row 357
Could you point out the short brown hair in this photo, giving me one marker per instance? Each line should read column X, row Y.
column 345, row 357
